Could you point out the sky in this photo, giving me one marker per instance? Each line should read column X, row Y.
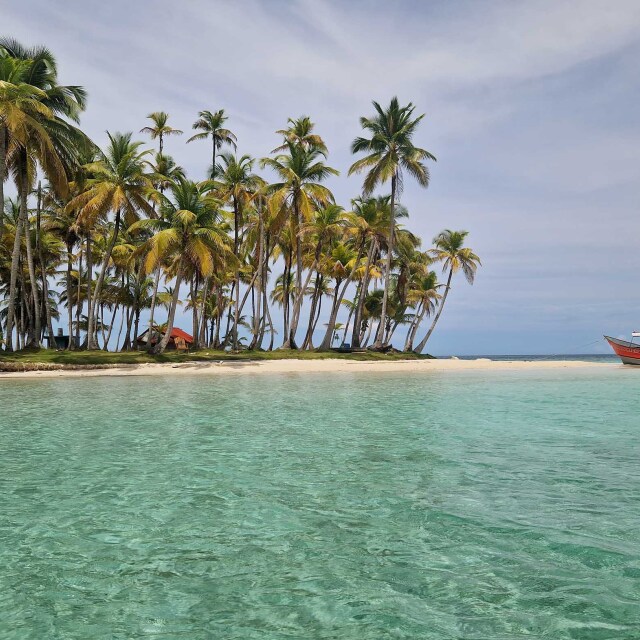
column 531, row 110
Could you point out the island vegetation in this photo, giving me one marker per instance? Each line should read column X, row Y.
column 107, row 243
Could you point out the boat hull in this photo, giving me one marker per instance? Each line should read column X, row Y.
column 628, row 352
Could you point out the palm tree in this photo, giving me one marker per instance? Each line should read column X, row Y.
column 300, row 132
column 295, row 196
column 450, row 250
column 237, row 185
column 118, row 184
column 328, row 225
column 160, row 128
column 20, row 109
column 424, row 294
column 164, row 171
column 187, row 234
column 390, row 151
column 342, row 263
column 211, row 126
column 45, row 137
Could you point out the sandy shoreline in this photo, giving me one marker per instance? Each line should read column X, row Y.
column 308, row 366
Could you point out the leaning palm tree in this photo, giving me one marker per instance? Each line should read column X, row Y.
column 187, row 235
column 211, row 126
column 423, row 293
column 390, row 151
column 118, row 184
column 160, row 128
column 450, row 250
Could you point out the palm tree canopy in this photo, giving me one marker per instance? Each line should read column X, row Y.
column 390, row 149
column 300, row 132
column 211, row 126
column 450, row 250
column 160, row 127
column 188, row 228
column 118, row 182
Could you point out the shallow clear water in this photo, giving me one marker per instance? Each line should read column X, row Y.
column 493, row 505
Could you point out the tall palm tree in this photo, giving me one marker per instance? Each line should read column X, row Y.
column 118, row 183
column 237, row 185
column 450, row 250
column 20, row 109
column 47, row 138
column 188, row 233
column 211, row 126
column 390, row 151
column 295, row 196
column 160, row 128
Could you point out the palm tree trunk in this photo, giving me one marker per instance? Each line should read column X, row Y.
column 257, row 315
column 153, row 308
column 103, row 331
column 111, row 325
column 236, row 247
column 316, row 320
column 136, row 326
column 357, row 321
column 285, row 300
column 312, row 314
column 34, row 328
column 202, row 339
column 172, row 311
column 379, row 343
column 120, row 330
column 89, row 252
column 300, row 293
column 422, row 344
column 3, row 171
column 69, row 305
column 413, row 329
column 193, row 285
column 299, row 268
column 347, row 324
column 127, row 336
column 79, row 305
column 335, row 308
column 220, row 305
column 327, row 341
column 45, row 284
column 365, row 340
column 13, row 281
column 91, row 343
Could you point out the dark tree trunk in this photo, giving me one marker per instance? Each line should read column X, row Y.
column 379, row 343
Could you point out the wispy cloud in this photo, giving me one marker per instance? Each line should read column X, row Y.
column 531, row 110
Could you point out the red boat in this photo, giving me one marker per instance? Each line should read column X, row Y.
column 628, row 352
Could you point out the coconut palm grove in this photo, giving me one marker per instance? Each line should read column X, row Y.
column 104, row 245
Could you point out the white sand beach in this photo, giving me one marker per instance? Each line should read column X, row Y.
column 308, row 366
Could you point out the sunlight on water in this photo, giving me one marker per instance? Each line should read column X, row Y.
column 450, row 505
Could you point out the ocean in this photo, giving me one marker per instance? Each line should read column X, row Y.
column 439, row 505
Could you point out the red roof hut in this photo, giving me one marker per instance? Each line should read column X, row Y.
column 159, row 333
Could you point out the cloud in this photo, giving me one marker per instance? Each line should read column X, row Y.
column 530, row 111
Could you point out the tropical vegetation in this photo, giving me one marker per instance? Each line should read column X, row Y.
column 255, row 253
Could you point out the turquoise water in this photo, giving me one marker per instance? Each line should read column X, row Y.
column 475, row 505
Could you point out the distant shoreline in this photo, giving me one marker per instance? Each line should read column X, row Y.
column 290, row 365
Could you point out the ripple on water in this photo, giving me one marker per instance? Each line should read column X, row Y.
column 463, row 505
